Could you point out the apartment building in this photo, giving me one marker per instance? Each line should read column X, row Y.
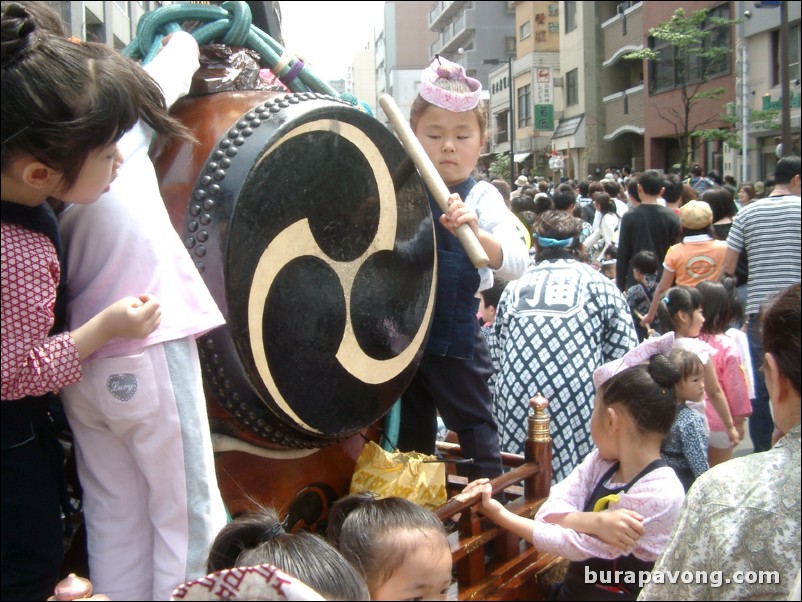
column 759, row 88
column 402, row 52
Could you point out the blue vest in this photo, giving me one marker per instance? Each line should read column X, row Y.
column 452, row 333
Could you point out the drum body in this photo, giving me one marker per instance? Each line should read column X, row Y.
column 311, row 229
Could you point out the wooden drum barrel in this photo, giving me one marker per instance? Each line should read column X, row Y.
column 311, row 229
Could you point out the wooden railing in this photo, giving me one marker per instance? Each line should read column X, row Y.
column 492, row 563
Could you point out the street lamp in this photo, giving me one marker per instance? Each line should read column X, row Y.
column 511, row 87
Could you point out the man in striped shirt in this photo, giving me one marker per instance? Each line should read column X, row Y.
column 768, row 231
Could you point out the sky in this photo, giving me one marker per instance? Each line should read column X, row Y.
column 326, row 34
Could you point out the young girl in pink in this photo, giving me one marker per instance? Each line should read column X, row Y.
column 718, row 312
column 615, row 511
column 680, row 310
column 64, row 107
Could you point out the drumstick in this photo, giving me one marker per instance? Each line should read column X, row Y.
column 432, row 179
column 649, row 331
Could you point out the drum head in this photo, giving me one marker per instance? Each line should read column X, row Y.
column 312, row 230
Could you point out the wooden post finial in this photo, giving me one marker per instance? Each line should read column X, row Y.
column 538, row 422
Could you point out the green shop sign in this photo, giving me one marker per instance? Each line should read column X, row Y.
column 777, row 105
column 544, row 117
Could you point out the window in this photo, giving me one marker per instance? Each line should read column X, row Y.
column 719, row 38
column 793, row 55
column 674, row 69
column 526, row 30
column 502, row 123
column 570, row 16
column 572, row 87
column 524, row 106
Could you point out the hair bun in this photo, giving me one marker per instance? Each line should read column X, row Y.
column 17, row 27
column 663, row 371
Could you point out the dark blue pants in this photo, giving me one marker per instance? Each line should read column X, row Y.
column 457, row 388
column 761, row 424
column 32, row 530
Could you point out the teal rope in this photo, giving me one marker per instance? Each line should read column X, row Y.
column 231, row 24
column 392, row 427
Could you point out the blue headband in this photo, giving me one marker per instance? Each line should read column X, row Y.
column 553, row 242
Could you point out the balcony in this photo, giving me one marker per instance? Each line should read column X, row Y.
column 442, row 12
column 455, row 35
column 624, row 113
column 623, row 33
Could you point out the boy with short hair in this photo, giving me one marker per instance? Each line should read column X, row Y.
column 639, row 296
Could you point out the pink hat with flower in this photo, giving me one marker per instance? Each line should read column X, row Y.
column 446, row 97
column 634, row 357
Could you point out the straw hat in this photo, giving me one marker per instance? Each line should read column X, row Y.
column 695, row 215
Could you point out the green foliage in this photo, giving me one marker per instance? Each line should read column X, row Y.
column 500, row 167
column 697, row 54
column 769, row 120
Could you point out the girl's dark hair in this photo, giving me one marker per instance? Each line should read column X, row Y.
column 721, row 203
column 258, row 538
column 44, row 16
column 688, row 363
column 370, row 533
column 647, row 393
column 63, row 99
column 717, row 305
column 313, row 560
column 676, row 299
column 245, row 532
column 605, row 202
column 781, row 333
column 557, row 225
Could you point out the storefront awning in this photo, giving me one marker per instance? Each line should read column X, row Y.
column 521, row 157
column 567, row 127
column 570, row 133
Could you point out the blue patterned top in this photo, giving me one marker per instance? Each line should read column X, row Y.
column 686, row 445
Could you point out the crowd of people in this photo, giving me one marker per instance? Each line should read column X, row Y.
column 624, row 313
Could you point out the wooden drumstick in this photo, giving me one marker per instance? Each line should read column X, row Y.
column 430, row 176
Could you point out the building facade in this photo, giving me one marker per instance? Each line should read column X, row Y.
column 402, row 52
column 759, row 88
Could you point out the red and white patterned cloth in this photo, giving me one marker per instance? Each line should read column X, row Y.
column 33, row 363
column 262, row 582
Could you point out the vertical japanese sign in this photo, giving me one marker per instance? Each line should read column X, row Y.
column 544, row 99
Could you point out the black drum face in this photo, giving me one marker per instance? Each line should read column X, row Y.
column 328, row 262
